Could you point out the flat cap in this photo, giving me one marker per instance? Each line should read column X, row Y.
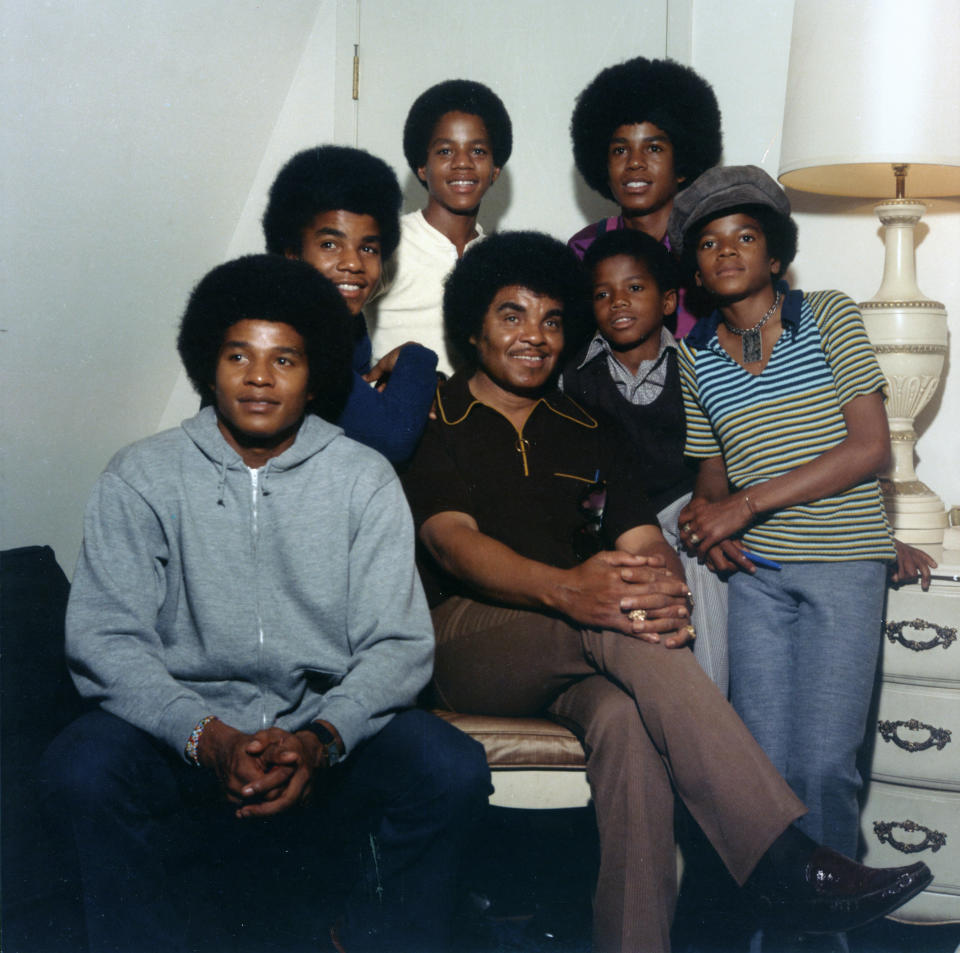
column 720, row 188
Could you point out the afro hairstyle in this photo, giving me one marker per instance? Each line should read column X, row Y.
column 662, row 92
column 640, row 247
column 779, row 230
column 456, row 95
column 271, row 288
column 530, row 260
column 328, row 179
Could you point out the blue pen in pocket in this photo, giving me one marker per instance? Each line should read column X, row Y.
column 760, row 560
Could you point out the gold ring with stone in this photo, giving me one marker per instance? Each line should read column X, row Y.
column 637, row 615
column 694, row 538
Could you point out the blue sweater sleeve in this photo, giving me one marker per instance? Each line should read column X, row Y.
column 392, row 420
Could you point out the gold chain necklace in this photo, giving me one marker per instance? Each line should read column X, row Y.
column 751, row 340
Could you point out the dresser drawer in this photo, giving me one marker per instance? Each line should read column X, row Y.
column 918, row 736
column 930, row 907
column 902, row 825
column 922, row 635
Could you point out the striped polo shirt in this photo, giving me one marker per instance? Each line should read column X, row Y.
column 768, row 424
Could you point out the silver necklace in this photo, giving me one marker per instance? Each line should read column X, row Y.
column 751, row 340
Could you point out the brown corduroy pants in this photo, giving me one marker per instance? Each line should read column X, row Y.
column 653, row 726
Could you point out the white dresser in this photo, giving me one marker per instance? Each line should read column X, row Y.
column 912, row 806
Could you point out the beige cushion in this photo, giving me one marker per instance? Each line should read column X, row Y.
column 521, row 742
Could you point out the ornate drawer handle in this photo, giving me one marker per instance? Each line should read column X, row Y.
column 945, row 636
column 933, row 840
column 938, row 736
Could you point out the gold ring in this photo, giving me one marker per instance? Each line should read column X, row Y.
column 637, row 615
column 685, row 528
column 691, row 631
column 694, row 538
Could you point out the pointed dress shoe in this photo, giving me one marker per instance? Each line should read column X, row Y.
column 832, row 894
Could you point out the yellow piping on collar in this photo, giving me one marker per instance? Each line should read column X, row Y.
column 463, row 417
column 521, row 445
column 587, row 420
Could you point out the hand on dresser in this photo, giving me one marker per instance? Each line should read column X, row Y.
column 912, row 565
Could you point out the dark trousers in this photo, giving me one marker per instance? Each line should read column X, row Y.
column 155, row 840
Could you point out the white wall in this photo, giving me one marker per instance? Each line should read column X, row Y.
column 138, row 141
column 306, row 118
column 132, row 134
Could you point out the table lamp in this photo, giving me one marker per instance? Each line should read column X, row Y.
column 872, row 109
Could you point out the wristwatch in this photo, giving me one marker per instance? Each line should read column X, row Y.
column 327, row 741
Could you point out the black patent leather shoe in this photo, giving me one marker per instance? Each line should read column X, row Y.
column 830, row 893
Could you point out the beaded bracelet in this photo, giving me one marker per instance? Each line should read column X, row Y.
column 193, row 742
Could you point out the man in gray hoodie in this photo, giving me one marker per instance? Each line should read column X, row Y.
column 247, row 617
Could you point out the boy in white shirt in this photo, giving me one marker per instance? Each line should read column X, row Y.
column 456, row 139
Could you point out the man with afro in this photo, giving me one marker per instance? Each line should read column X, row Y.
column 643, row 130
column 456, row 139
column 247, row 622
column 338, row 209
column 553, row 591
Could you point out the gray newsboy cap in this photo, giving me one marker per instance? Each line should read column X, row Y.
column 719, row 188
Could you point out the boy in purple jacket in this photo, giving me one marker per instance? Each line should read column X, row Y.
column 642, row 131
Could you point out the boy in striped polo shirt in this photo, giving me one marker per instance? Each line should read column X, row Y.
column 784, row 406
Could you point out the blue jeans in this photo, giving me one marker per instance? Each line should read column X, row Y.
column 390, row 822
column 804, row 643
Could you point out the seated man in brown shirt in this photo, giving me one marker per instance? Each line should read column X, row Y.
column 553, row 590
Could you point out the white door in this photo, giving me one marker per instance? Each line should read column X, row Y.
column 535, row 54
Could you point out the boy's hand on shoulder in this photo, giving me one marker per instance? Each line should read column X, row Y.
column 379, row 374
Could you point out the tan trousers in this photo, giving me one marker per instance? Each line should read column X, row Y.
column 652, row 724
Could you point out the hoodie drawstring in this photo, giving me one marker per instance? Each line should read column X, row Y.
column 221, row 485
column 260, row 481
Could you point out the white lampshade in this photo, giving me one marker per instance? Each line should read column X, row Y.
column 873, row 83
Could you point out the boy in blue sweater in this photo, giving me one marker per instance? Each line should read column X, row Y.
column 338, row 209
column 247, row 620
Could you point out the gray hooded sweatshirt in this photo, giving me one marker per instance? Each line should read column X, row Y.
column 264, row 597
